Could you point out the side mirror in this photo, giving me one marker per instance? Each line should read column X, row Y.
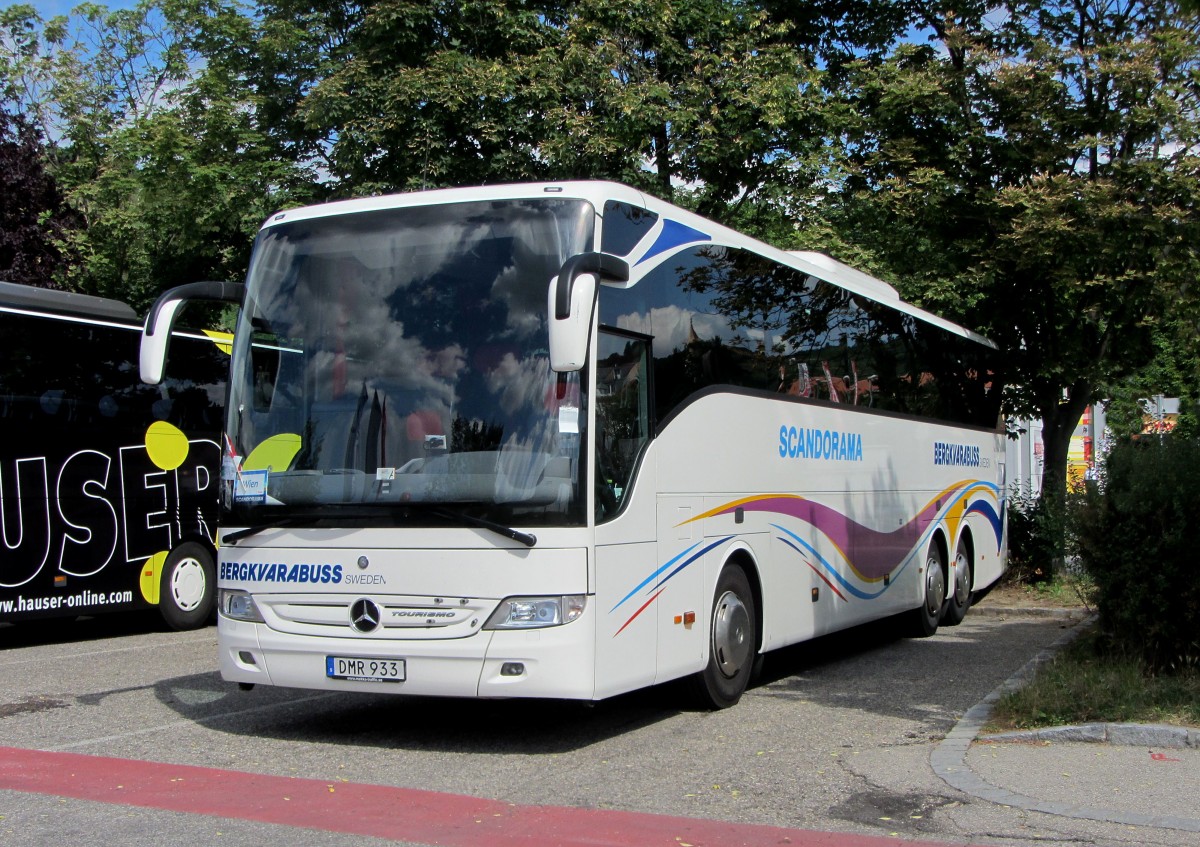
column 160, row 320
column 571, row 300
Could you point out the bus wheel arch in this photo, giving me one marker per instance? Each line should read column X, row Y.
column 961, row 581
column 733, row 630
column 187, row 593
column 924, row 619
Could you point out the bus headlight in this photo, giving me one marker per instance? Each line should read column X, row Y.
column 238, row 605
column 535, row 612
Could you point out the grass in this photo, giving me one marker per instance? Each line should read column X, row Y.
column 1090, row 682
column 1065, row 591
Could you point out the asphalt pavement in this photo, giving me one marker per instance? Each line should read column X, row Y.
column 1128, row 774
column 129, row 737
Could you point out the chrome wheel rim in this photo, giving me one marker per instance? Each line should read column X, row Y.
column 962, row 579
column 935, row 587
column 730, row 634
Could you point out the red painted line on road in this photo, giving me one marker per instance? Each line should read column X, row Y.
column 403, row 814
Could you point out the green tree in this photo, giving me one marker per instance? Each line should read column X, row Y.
column 156, row 145
column 707, row 95
column 1032, row 173
column 417, row 94
column 704, row 100
column 1174, row 372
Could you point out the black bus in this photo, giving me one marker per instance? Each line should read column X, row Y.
column 108, row 486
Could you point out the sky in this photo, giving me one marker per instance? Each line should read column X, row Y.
column 50, row 8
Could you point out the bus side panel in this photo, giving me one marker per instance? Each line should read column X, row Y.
column 688, row 564
column 626, row 583
column 851, row 501
column 626, row 632
column 84, row 504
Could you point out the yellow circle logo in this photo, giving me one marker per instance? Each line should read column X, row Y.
column 167, row 445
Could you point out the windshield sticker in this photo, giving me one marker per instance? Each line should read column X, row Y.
column 250, row 487
column 568, row 419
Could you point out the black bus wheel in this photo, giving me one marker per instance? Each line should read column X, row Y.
column 959, row 601
column 188, row 588
column 732, row 643
column 925, row 618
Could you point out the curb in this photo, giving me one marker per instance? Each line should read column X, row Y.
column 948, row 759
column 1071, row 614
column 1127, row 734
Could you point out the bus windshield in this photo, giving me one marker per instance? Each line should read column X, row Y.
column 397, row 358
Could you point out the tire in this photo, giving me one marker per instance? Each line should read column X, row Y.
column 925, row 618
column 959, row 602
column 188, row 588
column 732, row 643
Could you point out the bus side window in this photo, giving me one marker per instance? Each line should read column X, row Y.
column 622, row 417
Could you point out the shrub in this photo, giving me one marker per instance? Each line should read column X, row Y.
column 1135, row 537
column 1035, row 539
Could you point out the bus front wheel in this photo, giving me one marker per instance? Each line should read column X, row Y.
column 188, row 589
column 732, row 643
column 925, row 618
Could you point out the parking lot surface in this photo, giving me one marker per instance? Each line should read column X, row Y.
column 832, row 746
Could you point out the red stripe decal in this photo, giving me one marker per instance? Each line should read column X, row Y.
column 824, row 578
column 638, row 612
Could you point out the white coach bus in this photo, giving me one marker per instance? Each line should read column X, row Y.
column 567, row 440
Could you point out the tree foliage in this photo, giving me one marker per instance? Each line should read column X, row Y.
column 159, row 156
column 1151, row 496
column 34, row 222
column 1033, row 173
column 1027, row 168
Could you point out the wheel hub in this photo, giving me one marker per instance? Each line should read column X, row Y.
column 187, row 584
column 935, row 587
column 962, row 580
column 731, row 626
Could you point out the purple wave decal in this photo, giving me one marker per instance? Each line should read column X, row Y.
column 871, row 553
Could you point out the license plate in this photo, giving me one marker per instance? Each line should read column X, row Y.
column 357, row 669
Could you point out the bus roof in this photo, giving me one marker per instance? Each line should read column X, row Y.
column 64, row 302
column 599, row 192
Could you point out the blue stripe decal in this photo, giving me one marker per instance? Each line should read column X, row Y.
column 716, row 543
column 830, row 569
column 673, row 234
column 983, row 507
column 692, row 558
column 653, row 576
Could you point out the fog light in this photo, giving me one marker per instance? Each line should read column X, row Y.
column 247, row 657
column 512, row 669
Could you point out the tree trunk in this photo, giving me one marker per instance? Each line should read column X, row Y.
column 662, row 156
column 1058, row 425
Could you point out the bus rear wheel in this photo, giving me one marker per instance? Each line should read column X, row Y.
column 732, row 643
column 188, row 588
column 959, row 601
column 925, row 618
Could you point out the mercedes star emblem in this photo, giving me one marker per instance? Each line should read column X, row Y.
column 364, row 615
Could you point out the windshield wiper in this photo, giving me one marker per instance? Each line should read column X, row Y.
column 290, row 520
column 238, row 534
column 526, row 538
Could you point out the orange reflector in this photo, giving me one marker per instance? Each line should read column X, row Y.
column 689, row 618
column 679, row 619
